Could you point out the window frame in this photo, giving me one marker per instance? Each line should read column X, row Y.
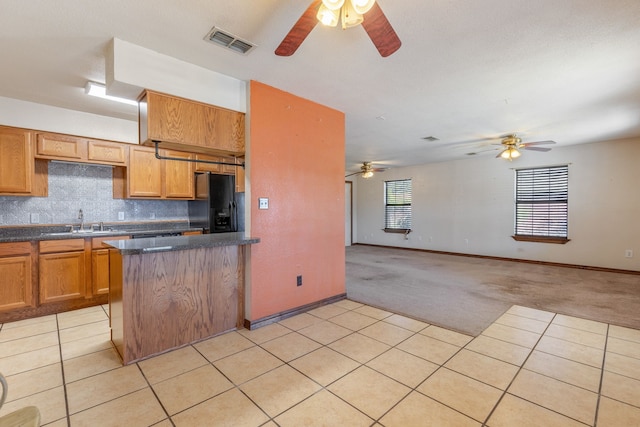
column 546, row 186
column 394, row 211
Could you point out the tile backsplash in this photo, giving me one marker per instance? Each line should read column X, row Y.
column 75, row 186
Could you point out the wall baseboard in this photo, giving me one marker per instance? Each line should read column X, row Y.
column 258, row 323
column 527, row 261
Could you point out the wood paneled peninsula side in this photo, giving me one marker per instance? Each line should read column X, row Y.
column 167, row 292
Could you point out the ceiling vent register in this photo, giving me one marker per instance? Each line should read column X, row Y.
column 228, row 40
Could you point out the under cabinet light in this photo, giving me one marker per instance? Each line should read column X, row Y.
column 99, row 90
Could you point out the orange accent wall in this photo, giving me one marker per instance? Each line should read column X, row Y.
column 296, row 159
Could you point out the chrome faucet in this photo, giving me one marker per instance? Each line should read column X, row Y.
column 81, row 218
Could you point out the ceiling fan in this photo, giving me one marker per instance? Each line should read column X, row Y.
column 511, row 144
column 367, row 170
column 351, row 13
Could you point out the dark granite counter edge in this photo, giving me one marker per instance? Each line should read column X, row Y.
column 37, row 233
column 180, row 243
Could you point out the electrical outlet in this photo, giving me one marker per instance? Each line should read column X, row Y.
column 628, row 253
column 263, row 203
column 120, row 216
column 35, row 218
column 299, row 281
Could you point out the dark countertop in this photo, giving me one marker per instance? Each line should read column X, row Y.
column 60, row 232
column 180, row 243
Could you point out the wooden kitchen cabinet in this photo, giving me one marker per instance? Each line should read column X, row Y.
column 190, row 125
column 151, row 178
column 60, row 147
column 105, row 152
column 214, row 168
column 144, row 174
column 178, row 178
column 238, row 171
column 20, row 174
column 100, row 264
column 54, row 146
column 62, row 266
column 16, row 289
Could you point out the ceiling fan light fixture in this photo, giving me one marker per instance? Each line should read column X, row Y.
column 333, row 4
column 327, row 16
column 362, row 6
column 349, row 16
column 510, row 153
column 367, row 174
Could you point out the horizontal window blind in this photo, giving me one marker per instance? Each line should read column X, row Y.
column 397, row 204
column 542, row 196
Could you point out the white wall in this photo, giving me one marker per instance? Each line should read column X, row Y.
column 30, row 115
column 466, row 206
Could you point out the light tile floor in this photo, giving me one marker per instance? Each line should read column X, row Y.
column 344, row 364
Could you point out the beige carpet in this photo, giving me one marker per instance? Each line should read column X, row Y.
column 467, row 294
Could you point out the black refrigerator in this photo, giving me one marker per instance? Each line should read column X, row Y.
column 217, row 207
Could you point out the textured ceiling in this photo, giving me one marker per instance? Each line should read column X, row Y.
column 468, row 71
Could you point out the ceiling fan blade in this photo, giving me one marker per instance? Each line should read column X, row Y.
column 351, row 174
column 539, row 143
column 378, row 169
column 380, row 31
column 299, row 31
column 526, row 147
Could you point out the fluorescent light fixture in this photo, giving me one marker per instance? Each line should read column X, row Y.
column 99, row 90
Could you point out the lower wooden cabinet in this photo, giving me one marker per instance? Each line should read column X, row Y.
column 100, row 264
column 62, row 266
column 16, row 269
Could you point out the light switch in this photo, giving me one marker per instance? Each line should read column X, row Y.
column 263, row 203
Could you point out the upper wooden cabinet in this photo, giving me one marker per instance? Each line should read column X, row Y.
column 55, row 146
column 144, row 174
column 150, row 178
column 180, row 123
column 20, row 175
column 178, row 177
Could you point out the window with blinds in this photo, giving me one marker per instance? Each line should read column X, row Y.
column 397, row 200
column 542, row 196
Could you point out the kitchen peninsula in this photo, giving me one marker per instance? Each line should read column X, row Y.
column 167, row 292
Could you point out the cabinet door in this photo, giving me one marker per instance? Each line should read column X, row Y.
column 179, row 181
column 62, row 276
column 207, row 167
column 100, row 264
column 240, row 176
column 171, row 119
column 100, row 271
column 107, row 152
column 16, row 161
column 144, row 177
column 64, row 147
column 16, row 287
column 224, row 130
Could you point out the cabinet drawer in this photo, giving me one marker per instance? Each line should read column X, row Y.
column 101, row 151
column 17, row 248
column 48, row 246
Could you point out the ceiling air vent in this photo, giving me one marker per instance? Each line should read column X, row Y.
column 431, row 138
column 228, row 40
